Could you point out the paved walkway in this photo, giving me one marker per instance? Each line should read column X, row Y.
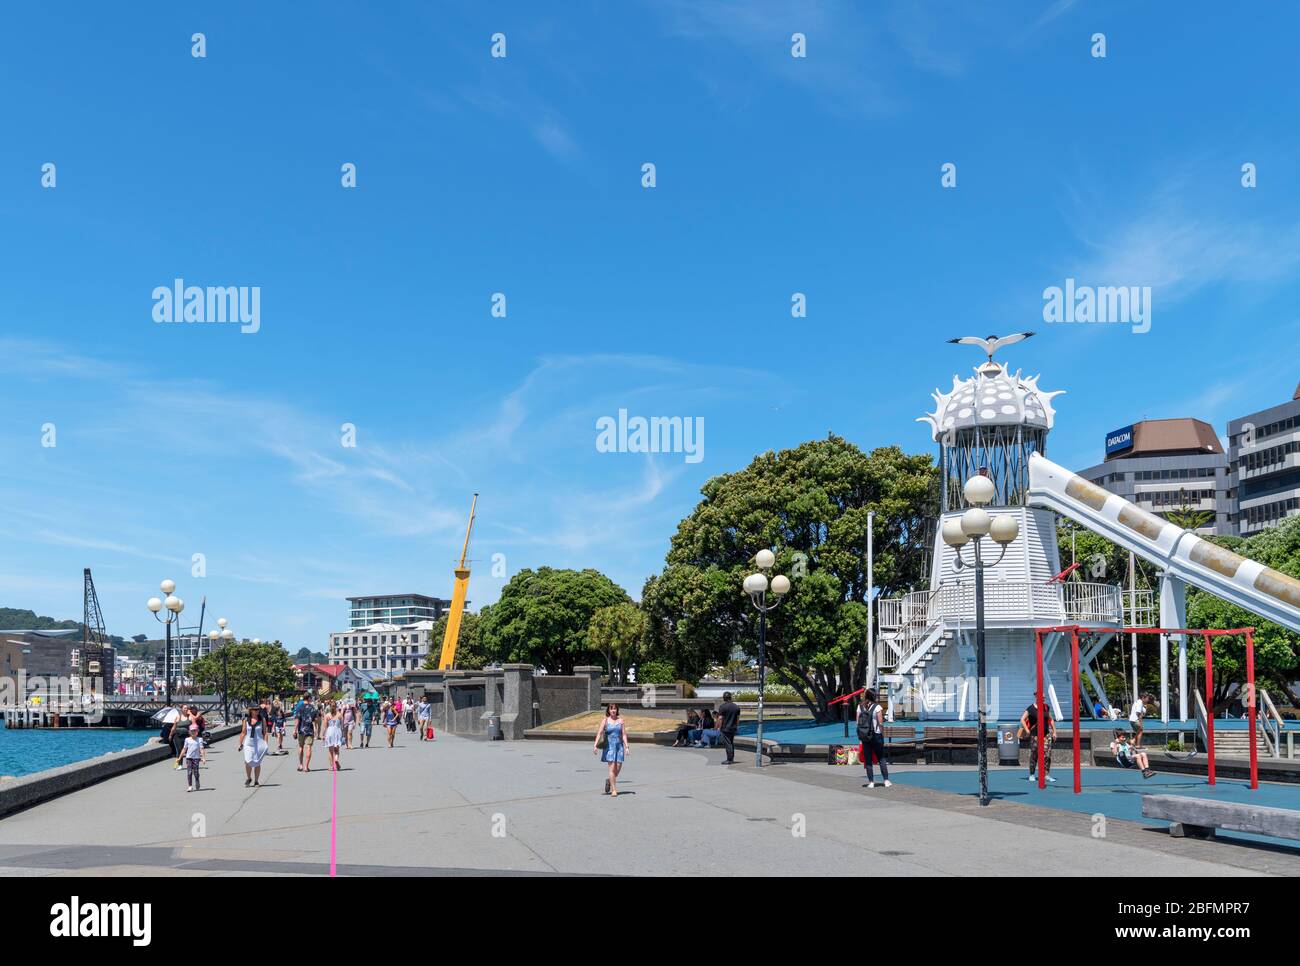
column 461, row 806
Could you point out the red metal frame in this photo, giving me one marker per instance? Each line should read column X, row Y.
column 1206, row 634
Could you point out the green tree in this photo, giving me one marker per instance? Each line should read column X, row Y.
column 1277, row 650
column 616, row 632
column 1187, row 518
column 470, row 654
column 810, row 505
column 543, row 615
column 256, row 670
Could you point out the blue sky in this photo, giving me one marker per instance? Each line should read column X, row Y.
column 522, row 175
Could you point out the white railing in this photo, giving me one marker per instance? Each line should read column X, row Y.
column 1003, row 601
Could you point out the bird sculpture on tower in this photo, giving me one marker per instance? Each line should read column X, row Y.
column 991, row 344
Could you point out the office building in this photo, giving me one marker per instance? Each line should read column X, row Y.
column 399, row 609
column 1264, row 452
column 1170, row 465
column 383, row 650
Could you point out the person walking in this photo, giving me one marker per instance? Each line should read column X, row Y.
column 871, row 732
column 728, row 725
column 253, row 743
column 333, row 734
column 308, row 721
column 392, row 718
column 611, row 746
column 277, row 725
column 349, row 722
column 1135, row 716
column 422, row 714
column 1029, row 726
column 180, row 731
column 367, row 722
column 194, row 756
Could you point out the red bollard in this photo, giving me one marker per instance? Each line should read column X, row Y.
column 1209, row 702
column 1250, row 705
column 1042, row 729
column 1074, row 698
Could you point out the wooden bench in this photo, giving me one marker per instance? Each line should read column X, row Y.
column 1199, row 817
column 951, row 746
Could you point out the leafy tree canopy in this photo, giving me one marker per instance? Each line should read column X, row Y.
column 809, row 504
column 543, row 615
column 470, row 654
column 256, row 670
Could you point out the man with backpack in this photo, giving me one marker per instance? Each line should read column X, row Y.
column 871, row 732
column 306, row 714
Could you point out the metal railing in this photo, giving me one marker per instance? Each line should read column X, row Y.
column 906, row 621
column 1003, row 600
column 1270, row 724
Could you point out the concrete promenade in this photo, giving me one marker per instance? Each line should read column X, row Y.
column 462, row 806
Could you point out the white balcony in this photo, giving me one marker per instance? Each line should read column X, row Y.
column 1009, row 603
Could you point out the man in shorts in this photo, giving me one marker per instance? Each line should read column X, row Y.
column 1135, row 718
column 306, row 731
column 367, row 723
column 422, row 717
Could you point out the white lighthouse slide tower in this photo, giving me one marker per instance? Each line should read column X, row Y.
column 998, row 423
column 993, row 422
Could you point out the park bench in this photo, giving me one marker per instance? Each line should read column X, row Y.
column 1199, row 817
column 951, row 746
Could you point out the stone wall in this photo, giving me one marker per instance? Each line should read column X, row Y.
column 464, row 701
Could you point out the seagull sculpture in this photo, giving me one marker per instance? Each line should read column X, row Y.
column 991, row 344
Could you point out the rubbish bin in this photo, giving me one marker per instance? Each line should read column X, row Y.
column 1008, row 746
column 494, row 727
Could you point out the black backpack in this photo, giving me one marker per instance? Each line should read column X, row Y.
column 867, row 722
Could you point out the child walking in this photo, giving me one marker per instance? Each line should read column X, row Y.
column 194, row 756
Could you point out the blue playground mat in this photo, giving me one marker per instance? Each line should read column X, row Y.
column 811, row 733
column 1113, row 792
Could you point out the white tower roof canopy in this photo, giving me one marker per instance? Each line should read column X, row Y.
column 993, row 396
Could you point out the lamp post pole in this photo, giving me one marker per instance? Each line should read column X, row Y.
column 174, row 605
column 981, row 669
column 972, row 527
column 756, row 585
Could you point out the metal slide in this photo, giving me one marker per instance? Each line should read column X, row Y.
column 1272, row 595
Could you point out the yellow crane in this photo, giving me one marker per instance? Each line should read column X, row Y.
column 449, row 641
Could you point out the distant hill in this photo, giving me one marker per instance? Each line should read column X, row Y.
column 16, row 619
column 13, row 619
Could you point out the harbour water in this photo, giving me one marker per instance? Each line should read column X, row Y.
column 26, row 750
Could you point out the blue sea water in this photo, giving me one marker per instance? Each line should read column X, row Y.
column 25, row 750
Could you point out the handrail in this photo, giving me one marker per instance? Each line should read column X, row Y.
column 1272, row 722
column 1201, row 732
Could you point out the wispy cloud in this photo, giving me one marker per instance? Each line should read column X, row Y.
column 1178, row 244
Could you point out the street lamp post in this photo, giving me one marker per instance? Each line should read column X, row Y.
column 757, row 585
column 223, row 635
column 972, row 527
column 174, row 606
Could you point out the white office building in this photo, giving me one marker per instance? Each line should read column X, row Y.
column 383, row 650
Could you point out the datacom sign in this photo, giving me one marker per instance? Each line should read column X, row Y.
column 1119, row 440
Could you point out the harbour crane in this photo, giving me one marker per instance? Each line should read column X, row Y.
column 449, row 641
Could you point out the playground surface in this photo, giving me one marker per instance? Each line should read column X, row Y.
column 1113, row 792
column 808, row 732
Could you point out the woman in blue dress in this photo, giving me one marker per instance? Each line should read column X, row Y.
column 615, row 746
